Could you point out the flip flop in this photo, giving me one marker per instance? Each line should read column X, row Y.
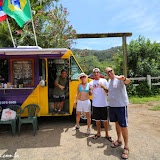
column 75, row 127
column 116, row 144
column 125, row 153
column 88, row 131
column 109, row 138
column 96, row 136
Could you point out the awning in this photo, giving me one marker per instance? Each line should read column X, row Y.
column 31, row 51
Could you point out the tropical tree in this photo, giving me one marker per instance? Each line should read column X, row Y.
column 90, row 59
column 52, row 27
column 143, row 58
column 36, row 5
column 5, row 38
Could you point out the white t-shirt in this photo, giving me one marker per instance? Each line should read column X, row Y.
column 99, row 94
column 117, row 94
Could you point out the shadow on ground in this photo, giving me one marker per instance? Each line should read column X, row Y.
column 100, row 143
column 48, row 135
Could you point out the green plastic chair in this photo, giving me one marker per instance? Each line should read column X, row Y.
column 18, row 110
column 33, row 111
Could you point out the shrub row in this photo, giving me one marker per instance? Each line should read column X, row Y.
column 142, row 90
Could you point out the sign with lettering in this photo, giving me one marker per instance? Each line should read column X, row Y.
column 23, row 71
column 7, row 102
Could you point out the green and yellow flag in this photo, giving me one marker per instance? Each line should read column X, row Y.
column 17, row 9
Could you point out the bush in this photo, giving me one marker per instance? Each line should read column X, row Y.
column 142, row 90
column 155, row 90
column 131, row 89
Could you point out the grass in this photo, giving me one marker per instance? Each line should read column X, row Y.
column 150, row 104
column 142, row 100
column 156, row 108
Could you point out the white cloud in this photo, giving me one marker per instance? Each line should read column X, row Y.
column 141, row 16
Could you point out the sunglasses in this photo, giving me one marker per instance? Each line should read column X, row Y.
column 82, row 77
column 109, row 72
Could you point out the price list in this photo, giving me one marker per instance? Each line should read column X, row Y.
column 22, row 72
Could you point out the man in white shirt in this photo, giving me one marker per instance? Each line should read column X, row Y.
column 118, row 101
column 99, row 90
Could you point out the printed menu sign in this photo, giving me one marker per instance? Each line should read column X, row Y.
column 22, row 72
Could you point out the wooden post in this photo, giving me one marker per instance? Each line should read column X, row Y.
column 149, row 81
column 124, row 56
column 103, row 35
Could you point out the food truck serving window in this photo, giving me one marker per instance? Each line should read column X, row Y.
column 22, row 71
column 75, row 69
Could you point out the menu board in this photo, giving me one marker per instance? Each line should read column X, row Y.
column 22, row 72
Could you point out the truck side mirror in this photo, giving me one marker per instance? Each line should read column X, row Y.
column 42, row 83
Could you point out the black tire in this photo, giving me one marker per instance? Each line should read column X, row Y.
column 83, row 120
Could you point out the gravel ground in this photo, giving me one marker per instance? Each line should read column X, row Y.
column 56, row 140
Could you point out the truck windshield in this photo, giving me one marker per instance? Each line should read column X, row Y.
column 75, row 69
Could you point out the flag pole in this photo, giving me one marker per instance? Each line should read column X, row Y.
column 11, row 33
column 34, row 30
column 33, row 24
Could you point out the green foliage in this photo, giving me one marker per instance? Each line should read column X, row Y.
column 155, row 108
column 52, row 28
column 131, row 89
column 88, row 63
column 150, row 104
column 5, row 38
column 90, row 59
column 142, row 100
column 142, row 90
column 155, row 90
column 38, row 5
column 118, row 61
column 143, row 58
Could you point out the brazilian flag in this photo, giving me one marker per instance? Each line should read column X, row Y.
column 17, row 9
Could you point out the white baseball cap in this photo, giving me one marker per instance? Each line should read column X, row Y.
column 96, row 70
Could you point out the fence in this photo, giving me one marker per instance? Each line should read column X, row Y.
column 148, row 79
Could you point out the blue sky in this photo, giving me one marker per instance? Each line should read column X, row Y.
column 141, row 17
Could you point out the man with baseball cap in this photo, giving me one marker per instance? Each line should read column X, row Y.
column 99, row 102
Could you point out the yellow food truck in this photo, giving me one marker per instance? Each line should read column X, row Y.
column 27, row 76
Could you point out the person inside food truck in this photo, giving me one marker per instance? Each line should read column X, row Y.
column 59, row 91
